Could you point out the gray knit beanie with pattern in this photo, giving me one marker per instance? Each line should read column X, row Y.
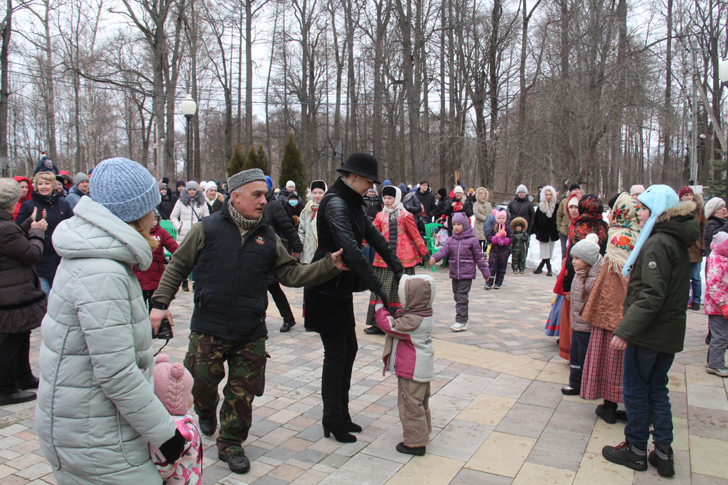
column 125, row 188
column 245, row 177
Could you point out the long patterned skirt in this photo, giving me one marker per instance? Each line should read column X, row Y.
column 386, row 276
column 603, row 368
column 565, row 330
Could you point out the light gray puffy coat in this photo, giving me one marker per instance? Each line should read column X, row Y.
column 96, row 409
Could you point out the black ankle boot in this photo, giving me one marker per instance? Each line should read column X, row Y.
column 340, row 433
column 548, row 266
column 539, row 270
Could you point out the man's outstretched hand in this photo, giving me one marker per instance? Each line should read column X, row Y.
column 339, row 261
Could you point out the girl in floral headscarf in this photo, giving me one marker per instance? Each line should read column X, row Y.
column 590, row 221
column 603, row 367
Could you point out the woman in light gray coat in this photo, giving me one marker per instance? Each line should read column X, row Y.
column 97, row 412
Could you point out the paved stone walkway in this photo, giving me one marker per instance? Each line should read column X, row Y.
column 498, row 415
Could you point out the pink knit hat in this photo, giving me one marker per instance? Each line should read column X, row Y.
column 497, row 213
column 172, row 385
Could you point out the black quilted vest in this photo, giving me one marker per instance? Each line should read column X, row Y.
column 231, row 279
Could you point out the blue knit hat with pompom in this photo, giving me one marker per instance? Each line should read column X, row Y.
column 125, row 188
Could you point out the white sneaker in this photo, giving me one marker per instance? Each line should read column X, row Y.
column 459, row 327
column 718, row 372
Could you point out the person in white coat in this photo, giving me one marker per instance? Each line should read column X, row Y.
column 307, row 222
column 97, row 413
column 189, row 209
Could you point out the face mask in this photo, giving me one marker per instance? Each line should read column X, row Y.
column 293, row 202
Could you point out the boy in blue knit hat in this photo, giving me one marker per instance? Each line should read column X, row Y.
column 652, row 329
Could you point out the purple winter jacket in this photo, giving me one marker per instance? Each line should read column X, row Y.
column 464, row 252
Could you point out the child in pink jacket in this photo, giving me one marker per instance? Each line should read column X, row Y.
column 716, row 304
column 173, row 386
column 410, row 355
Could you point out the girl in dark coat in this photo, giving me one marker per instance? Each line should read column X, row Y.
column 54, row 209
column 166, row 205
column 499, row 236
column 545, row 227
column 342, row 224
column 22, row 301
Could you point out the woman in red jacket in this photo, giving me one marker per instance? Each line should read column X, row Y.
column 149, row 279
column 400, row 229
column 26, row 188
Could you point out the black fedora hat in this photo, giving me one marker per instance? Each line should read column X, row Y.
column 362, row 164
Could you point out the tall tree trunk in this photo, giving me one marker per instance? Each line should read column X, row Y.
column 248, row 73
column 666, row 124
column 7, row 29
column 50, row 87
column 411, row 86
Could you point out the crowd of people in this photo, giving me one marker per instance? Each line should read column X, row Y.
column 93, row 260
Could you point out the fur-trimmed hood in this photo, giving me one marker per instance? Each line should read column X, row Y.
column 680, row 223
column 478, row 198
column 517, row 221
column 547, row 208
column 198, row 199
column 686, row 207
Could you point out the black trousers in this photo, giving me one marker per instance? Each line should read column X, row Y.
column 339, row 355
column 284, row 308
column 14, row 361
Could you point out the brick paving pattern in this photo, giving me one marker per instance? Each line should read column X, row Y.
column 498, row 413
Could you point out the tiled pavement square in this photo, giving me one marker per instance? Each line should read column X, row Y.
column 497, row 412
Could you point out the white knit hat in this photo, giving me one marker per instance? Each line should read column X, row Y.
column 291, row 183
column 458, row 189
column 587, row 249
column 713, row 206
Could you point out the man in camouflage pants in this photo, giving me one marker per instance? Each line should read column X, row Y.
column 233, row 252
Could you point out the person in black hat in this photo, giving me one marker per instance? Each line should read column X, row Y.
column 330, row 306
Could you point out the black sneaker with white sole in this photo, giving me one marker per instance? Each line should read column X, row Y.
column 626, row 454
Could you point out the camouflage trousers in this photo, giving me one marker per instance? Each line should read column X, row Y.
column 246, row 361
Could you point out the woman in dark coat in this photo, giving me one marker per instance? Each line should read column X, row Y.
column 459, row 203
column 544, row 227
column 22, row 301
column 53, row 208
column 342, row 224
column 166, row 205
column 520, row 206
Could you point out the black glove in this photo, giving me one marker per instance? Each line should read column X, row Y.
column 172, row 448
column 398, row 276
column 426, row 258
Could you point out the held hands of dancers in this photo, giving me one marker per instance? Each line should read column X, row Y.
column 339, row 261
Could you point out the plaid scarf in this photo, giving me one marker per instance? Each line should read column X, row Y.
column 243, row 224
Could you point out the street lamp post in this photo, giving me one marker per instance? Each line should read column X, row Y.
column 189, row 107
column 723, row 74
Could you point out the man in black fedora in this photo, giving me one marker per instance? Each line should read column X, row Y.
column 342, row 223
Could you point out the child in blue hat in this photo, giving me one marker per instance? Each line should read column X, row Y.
column 652, row 329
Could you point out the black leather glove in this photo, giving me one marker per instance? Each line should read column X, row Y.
column 172, row 448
